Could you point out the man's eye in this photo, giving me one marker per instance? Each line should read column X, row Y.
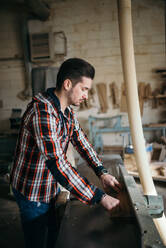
column 84, row 89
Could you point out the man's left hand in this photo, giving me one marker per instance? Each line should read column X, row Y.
column 110, row 181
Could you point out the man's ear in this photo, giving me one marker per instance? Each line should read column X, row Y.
column 67, row 84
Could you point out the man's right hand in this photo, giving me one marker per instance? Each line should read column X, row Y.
column 111, row 204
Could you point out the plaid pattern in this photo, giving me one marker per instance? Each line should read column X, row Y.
column 40, row 158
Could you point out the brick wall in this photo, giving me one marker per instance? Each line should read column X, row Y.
column 11, row 70
column 91, row 28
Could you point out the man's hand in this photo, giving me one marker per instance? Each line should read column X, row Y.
column 110, row 181
column 111, row 204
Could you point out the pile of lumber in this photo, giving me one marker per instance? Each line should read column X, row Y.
column 157, row 162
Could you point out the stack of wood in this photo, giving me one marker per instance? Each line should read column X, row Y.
column 158, row 169
column 162, row 73
column 159, row 95
column 157, row 161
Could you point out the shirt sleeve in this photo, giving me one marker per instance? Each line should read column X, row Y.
column 49, row 144
column 85, row 149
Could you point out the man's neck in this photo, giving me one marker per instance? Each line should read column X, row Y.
column 62, row 100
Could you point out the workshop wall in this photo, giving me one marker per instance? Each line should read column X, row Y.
column 12, row 69
column 91, row 29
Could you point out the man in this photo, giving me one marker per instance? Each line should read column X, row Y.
column 48, row 124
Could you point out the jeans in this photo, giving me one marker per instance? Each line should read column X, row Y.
column 39, row 222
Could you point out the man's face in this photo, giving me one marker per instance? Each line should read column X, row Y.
column 79, row 92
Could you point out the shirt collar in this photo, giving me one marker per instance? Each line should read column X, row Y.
column 50, row 92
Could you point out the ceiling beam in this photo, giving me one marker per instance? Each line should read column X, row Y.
column 38, row 8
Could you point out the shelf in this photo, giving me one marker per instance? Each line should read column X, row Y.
column 157, row 97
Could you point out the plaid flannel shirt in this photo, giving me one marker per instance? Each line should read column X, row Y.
column 40, row 158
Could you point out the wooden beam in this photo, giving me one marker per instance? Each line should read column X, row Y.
column 38, row 8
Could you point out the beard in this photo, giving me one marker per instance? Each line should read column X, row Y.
column 71, row 99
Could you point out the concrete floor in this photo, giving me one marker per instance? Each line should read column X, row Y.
column 10, row 227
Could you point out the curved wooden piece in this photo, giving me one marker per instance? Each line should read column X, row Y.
column 128, row 64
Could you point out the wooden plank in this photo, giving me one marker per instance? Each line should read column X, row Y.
column 114, row 95
column 102, row 95
column 123, row 105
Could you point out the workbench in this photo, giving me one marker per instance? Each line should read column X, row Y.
column 91, row 227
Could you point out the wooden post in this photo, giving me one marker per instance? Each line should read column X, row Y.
column 129, row 72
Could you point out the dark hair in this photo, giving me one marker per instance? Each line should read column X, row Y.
column 74, row 69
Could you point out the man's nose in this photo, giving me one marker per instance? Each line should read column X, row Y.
column 85, row 96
